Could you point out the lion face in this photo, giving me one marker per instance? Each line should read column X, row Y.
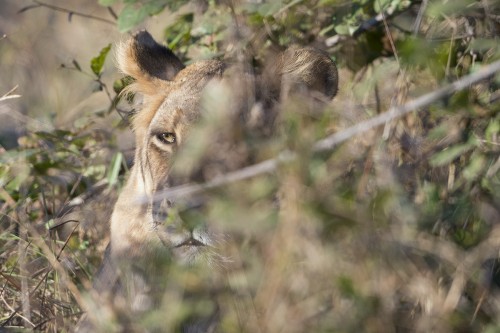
column 142, row 227
column 147, row 232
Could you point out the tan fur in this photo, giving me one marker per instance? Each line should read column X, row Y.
column 169, row 106
column 142, row 231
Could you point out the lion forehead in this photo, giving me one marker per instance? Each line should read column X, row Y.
column 181, row 102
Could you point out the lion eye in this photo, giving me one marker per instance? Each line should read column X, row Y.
column 167, row 138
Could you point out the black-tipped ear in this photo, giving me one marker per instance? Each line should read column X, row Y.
column 144, row 59
column 155, row 59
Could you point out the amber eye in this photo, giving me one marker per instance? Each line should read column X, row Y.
column 167, row 138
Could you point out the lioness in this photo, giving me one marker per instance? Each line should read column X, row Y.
column 143, row 231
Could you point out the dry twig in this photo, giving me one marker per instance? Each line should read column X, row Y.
column 9, row 95
column 70, row 12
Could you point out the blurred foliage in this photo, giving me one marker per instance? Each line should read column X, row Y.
column 393, row 231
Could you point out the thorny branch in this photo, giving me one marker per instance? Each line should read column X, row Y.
column 335, row 139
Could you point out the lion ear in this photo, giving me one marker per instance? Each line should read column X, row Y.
column 146, row 61
column 308, row 70
column 299, row 71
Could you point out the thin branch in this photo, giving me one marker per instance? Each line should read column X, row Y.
column 418, row 21
column 267, row 166
column 4, row 98
column 95, row 190
column 335, row 139
column 65, row 10
column 396, row 112
column 285, row 8
column 112, row 13
column 9, row 95
column 389, row 36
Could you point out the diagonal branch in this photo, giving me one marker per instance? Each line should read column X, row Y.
column 70, row 12
column 396, row 112
column 9, row 95
column 335, row 139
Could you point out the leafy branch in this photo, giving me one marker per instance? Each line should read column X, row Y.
column 335, row 139
column 96, row 66
column 380, row 19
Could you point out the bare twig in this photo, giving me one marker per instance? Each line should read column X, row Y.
column 242, row 174
column 335, row 139
column 70, row 12
column 389, row 36
column 418, row 21
column 396, row 112
column 9, row 95
column 95, row 190
column 25, row 295
column 30, row 123
column 112, row 13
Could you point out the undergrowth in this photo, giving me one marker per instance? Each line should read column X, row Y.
column 393, row 230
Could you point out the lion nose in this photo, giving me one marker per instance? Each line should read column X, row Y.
column 161, row 212
column 188, row 216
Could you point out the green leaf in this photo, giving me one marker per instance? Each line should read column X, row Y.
column 346, row 286
column 133, row 13
column 390, row 6
column 154, row 7
column 346, row 29
column 97, row 62
column 381, row 5
column 268, row 9
column 449, row 154
column 95, row 171
column 122, row 83
column 492, row 130
column 114, row 168
column 106, row 3
column 129, row 17
column 179, row 34
column 49, row 224
column 448, row 8
column 12, row 156
column 22, row 176
column 475, row 167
